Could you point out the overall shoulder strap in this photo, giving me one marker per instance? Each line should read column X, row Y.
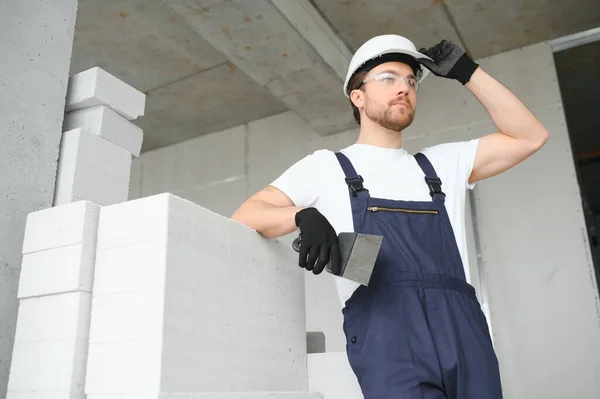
column 353, row 179
column 431, row 178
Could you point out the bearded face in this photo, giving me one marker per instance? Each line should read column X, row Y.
column 388, row 95
column 395, row 115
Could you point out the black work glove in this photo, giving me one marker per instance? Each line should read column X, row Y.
column 318, row 242
column 449, row 61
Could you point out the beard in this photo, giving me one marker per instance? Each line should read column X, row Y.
column 390, row 116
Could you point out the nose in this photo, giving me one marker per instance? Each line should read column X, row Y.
column 403, row 88
column 403, row 91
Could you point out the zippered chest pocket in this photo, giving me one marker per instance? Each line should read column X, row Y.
column 403, row 210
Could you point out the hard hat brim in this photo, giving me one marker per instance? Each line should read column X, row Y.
column 415, row 54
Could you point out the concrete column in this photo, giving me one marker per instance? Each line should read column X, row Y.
column 37, row 42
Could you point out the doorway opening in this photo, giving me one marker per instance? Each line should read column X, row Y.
column 577, row 60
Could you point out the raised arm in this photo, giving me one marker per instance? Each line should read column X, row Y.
column 520, row 134
column 270, row 212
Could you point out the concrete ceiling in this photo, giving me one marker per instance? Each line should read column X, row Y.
column 207, row 65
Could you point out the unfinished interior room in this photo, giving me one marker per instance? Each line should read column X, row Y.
column 299, row 199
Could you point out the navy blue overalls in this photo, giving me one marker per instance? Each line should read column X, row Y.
column 417, row 330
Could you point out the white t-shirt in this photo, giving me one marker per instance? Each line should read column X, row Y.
column 317, row 181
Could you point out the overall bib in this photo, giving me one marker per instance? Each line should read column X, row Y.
column 417, row 330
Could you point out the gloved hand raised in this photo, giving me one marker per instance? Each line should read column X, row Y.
column 449, row 61
column 318, row 242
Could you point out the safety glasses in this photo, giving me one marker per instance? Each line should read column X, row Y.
column 389, row 78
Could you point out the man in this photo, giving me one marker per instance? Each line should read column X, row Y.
column 417, row 330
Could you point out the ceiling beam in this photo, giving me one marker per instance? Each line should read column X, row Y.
column 286, row 46
column 316, row 31
column 576, row 39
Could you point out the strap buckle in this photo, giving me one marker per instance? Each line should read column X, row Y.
column 355, row 184
column 435, row 185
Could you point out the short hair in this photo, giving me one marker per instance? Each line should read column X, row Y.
column 354, row 84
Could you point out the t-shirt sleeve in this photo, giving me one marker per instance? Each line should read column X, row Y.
column 455, row 159
column 301, row 181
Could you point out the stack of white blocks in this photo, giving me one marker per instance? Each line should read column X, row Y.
column 187, row 301
column 51, row 342
column 156, row 298
column 99, row 139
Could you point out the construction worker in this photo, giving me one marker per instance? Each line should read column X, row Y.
column 417, row 330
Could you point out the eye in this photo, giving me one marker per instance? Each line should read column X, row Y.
column 387, row 78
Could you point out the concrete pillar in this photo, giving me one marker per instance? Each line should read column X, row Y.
column 38, row 38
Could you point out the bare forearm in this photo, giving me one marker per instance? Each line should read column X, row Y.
column 269, row 220
column 509, row 114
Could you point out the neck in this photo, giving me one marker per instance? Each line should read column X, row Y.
column 376, row 135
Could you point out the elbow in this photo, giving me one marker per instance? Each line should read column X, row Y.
column 540, row 140
column 268, row 233
column 237, row 216
column 242, row 216
column 544, row 137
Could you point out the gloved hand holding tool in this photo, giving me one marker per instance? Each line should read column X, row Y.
column 449, row 61
column 318, row 242
column 349, row 255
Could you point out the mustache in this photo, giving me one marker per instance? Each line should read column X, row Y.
column 400, row 99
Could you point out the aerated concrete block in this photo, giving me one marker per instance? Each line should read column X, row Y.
column 139, row 313
column 218, row 395
column 330, row 374
column 106, row 123
column 64, row 394
column 214, row 299
column 139, row 267
column 246, row 395
column 82, row 182
column 97, row 87
column 51, row 345
column 54, row 317
column 49, row 367
column 91, row 168
column 83, row 146
column 57, row 270
column 124, row 368
column 134, row 224
column 61, row 226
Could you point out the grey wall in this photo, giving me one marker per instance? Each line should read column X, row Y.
column 35, row 43
column 536, row 257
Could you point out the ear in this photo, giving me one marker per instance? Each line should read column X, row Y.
column 358, row 98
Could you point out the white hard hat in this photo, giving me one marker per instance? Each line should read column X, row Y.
column 378, row 46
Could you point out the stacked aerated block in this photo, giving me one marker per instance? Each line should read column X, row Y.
column 51, row 341
column 330, row 374
column 188, row 302
column 99, row 139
